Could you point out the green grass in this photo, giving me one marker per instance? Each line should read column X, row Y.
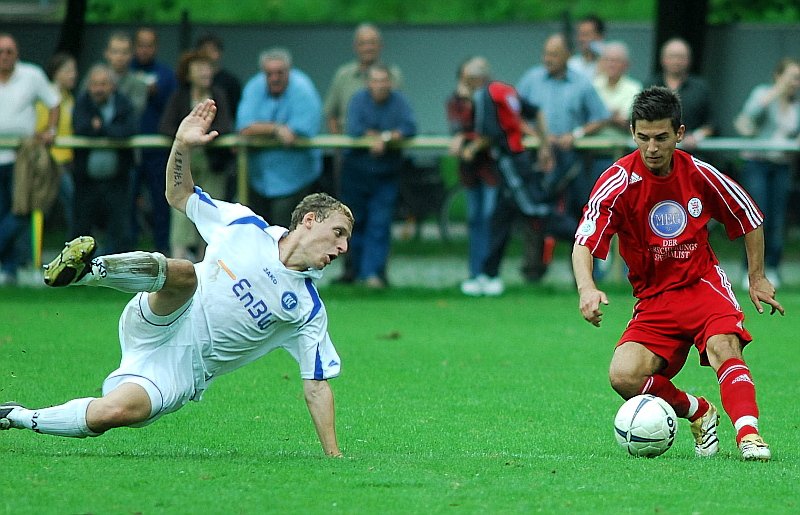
column 445, row 404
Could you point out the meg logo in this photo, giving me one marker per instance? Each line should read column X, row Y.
column 289, row 300
column 667, row 219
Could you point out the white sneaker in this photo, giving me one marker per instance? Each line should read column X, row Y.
column 493, row 287
column 704, row 431
column 754, row 448
column 474, row 287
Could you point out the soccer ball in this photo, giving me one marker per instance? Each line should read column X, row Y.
column 645, row 426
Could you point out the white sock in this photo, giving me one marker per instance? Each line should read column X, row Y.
column 68, row 419
column 747, row 420
column 130, row 272
column 693, row 405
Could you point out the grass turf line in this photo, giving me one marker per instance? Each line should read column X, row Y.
column 445, row 403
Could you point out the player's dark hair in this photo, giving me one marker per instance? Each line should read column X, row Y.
column 657, row 103
column 322, row 205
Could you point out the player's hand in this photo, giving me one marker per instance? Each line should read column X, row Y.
column 194, row 129
column 761, row 290
column 590, row 306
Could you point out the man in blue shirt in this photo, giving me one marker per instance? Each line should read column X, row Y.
column 161, row 82
column 283, row 103
column 371, row 176
column 573, row 109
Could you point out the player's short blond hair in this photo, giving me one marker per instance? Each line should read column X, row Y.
column 322, row 205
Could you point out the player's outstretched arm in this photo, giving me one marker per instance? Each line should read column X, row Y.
column 193, row 131
column 761, row 289
column 590, row 296
column 319, row 399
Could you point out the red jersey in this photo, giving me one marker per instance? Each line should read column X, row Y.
column 662, row 222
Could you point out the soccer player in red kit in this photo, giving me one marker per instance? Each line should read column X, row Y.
column 659, row 200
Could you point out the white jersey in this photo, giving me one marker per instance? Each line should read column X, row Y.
column 248, row 301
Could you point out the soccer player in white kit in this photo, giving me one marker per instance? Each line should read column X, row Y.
column 252, row 293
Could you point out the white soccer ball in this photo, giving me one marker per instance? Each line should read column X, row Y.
column 645, row 426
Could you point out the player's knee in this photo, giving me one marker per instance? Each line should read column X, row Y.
column 181, row 275
column 625, row 383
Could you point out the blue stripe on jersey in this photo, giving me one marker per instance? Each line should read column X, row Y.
column 255, row 220
column 205, row 198
column 315, row 298
column 318, row 375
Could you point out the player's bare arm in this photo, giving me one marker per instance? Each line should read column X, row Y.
column 590, row 296
column 193, row 131
column 761, row 290
column 319, row 399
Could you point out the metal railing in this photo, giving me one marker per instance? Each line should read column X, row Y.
column 242, row 144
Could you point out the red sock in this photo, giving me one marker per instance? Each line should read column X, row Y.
column 660, row 386
column 738, row 393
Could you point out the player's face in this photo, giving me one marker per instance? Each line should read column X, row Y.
column 327, row 239
column 657, row 141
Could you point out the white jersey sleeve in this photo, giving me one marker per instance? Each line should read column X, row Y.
column 210, row 215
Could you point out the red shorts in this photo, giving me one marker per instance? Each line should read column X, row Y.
column 669, row 324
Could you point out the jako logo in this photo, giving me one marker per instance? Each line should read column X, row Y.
column 289, row 300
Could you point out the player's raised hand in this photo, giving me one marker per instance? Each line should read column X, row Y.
column 194, row 129
column 590, row 305
column 761, row 290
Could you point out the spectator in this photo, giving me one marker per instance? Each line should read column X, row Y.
column 371, row 176
column 772, row 114
column 283, row 103
column 119, row 55
column 62, row 70
column 22, row 85
column 102, row 174
column 349, row 78
column 676, row 60
column 590, row 34
column 572, row 109
column 160, row 80
column 617, row 91
column 500, row 125
column 352, row 76
column 211, row 45
column 210, row 165
column 478, row 176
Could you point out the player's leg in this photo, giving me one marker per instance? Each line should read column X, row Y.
column 637, row 370
column 173, row 280
column 79, row 418
column 738, row 394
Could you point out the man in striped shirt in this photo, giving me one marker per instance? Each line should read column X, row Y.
column 659, row 200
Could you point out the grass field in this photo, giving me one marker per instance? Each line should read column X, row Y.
column 445, row 405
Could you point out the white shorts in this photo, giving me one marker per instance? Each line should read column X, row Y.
column 160, row 354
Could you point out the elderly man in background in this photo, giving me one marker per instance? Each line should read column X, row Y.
column 280, row 102
column 22, row 85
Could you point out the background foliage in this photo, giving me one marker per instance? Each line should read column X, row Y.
column 420, row 11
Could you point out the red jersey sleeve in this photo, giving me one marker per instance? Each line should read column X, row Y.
column 598, row 223
column 728, row 201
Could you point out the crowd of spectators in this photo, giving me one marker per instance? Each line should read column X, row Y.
column 579, row 93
